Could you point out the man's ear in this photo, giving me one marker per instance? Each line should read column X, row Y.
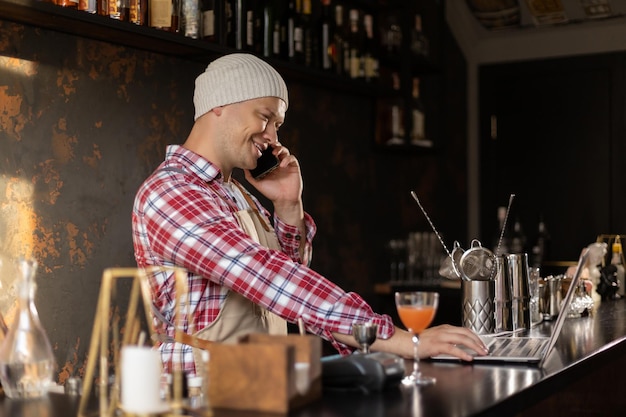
column 217, row 110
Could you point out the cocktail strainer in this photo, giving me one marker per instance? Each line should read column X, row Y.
column 477, row 263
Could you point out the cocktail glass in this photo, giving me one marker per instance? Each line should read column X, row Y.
column 417, row 310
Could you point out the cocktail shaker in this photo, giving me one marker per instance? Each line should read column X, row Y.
column 512, row 298
column 502, row 302
column 516, row 278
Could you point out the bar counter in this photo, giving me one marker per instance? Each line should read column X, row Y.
column 585, row 375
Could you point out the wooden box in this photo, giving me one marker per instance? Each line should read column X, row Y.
column 265, row 373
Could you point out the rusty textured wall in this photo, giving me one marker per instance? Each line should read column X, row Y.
column 82, row 123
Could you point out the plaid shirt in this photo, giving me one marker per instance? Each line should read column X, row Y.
column 183, row 216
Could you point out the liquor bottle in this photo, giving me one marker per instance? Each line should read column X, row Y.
column 310, row 42
column 208, row 17
column 339, row 41
column 176, row 18
column 26, row 359
column 138, row 13
column 327, row 49
column 239, row 14
column 281, row 25
column 89, row 6
column 235, row 23
column 396, row 114
column 292, row 22
column 419, row 43
column 266, row 28
column 160, row 14
column 117, row 9
column 370, row 53
column 356, row 45
column 616, row 260
column 418, row 132
column 102, row 7
column 190, row 12
column 391, row 37
column 540, row 250
column 279, row 34
column 253, row 15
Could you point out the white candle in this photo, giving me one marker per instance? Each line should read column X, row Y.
column 140, row 380
column 302, row 377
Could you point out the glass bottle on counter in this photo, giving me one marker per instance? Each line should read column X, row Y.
column 616, row 260
column 26, row 359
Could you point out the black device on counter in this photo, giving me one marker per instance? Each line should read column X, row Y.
column 361, row 372
column 266, row 163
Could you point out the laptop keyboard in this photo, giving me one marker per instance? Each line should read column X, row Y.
column 517, row 346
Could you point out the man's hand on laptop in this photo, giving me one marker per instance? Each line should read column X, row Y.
column 456, row 341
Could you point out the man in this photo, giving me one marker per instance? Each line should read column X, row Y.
column 244, row 274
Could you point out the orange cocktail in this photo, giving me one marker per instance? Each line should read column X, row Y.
column 416, row 318
column 416, row 310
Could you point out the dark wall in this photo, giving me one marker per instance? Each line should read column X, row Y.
column 82, row 123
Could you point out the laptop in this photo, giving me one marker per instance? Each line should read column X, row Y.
column 505, row 347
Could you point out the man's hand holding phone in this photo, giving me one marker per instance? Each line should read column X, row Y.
column 281, row 183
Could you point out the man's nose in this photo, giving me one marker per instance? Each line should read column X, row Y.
column 271, row 133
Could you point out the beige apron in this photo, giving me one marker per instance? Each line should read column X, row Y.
column 238, row 315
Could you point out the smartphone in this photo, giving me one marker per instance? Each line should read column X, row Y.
column 265, row 164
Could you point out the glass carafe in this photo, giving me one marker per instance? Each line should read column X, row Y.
column 26, row 359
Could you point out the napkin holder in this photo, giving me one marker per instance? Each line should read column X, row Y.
column 259, row 373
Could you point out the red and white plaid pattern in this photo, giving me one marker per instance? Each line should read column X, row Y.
column 183, row 216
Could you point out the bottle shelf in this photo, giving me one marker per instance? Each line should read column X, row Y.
column 102, row 28
column 79, row 23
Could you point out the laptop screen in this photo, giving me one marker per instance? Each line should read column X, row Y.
column 592, row 255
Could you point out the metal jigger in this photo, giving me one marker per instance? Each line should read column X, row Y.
column 365, row 335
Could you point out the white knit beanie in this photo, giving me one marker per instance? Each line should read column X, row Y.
column 234, row 78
